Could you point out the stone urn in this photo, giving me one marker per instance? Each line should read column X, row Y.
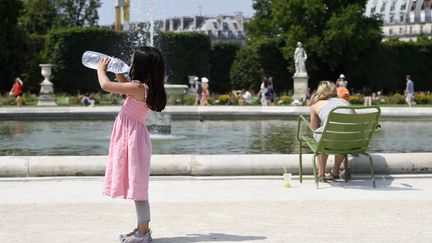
column 46, row 94
column 174, row 92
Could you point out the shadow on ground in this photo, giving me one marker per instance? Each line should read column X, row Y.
column 211, row 237
column 382, row 184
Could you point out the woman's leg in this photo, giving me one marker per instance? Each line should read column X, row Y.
column 338, row 161
column 143, row 216
column 19, row 101
column 322, row 161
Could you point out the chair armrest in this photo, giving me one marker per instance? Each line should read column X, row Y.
column 300, row 119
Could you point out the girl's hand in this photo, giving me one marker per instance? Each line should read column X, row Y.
column 103, row 65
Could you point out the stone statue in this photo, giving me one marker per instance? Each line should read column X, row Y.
column 300, row 59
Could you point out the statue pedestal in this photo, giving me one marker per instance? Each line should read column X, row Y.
column 46, row 95
column 300, row 86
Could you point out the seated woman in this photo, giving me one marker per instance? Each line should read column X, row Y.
column 323, row 101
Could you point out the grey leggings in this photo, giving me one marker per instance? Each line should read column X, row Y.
column 143, row 211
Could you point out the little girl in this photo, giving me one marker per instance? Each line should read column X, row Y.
column 128, row 168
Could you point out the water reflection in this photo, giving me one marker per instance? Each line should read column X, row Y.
column 273, row 138
column 192, row 137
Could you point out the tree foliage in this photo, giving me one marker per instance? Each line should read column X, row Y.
column 246, row 71
column 335, row 33
column 38, row 16
column 78, row 13
column 12, row 43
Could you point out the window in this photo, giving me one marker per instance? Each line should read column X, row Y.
column 413, row 6
column 400, row 30
column 225, row 26
column 230, row 34
column 383, row 6
column 421, row 28
column 215, row 25
column 402, row 18
column 403, row 6
column 390, row 31
column 391, row 18
column 393, row 6
column 411, row 30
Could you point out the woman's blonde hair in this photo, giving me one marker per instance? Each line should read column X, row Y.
column 326, row 90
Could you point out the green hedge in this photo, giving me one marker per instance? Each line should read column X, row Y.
column 64, row 49
column 185, row 54
column 222, row 56
column 395, row 59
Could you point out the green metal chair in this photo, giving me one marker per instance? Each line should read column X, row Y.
column 343, row 134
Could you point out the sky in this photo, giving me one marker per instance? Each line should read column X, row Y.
column 175, row 8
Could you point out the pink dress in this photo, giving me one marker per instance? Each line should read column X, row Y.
column 128, row 169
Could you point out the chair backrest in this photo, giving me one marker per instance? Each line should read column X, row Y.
column 349, row 133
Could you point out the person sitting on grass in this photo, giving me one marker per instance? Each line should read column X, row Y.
column 324, row 100
column 86, row 100
column 243, row 96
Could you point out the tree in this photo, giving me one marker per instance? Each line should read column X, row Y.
column 246, row 71
column 78, row 13
column 12, row 42
column 335, row 33
column 261, row 24
column 38, row 16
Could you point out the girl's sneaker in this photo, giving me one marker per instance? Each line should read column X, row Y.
column 138, row 238
column 122, row 236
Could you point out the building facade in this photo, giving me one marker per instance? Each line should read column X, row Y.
column 402, row 19
column 222, row 27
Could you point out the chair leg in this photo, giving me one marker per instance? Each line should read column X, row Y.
column 346, row 167
column 300, row 162
column 315, row 171
column 371, row 169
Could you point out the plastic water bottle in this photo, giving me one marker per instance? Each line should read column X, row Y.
column 92, row 59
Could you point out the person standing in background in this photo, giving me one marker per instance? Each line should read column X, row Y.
column 409, row 91
column 17, row 91
column 263, row 92
column 367, row 96
column 198, row 90
column 205, row 91
column 341, row 82
column 270, row 93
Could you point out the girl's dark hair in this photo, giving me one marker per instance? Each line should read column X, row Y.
column 148, row 66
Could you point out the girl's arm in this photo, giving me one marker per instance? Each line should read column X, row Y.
column 128, row 88
column 121, row 78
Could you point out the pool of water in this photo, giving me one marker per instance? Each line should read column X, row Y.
column 193, row 137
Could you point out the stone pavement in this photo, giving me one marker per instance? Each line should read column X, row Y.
column 220, row 209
